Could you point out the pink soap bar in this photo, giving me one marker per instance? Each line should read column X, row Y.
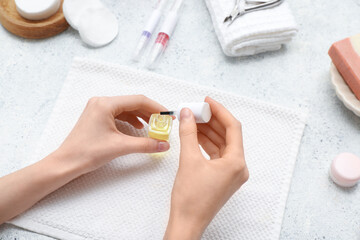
column 345, row 55
column 345, row 169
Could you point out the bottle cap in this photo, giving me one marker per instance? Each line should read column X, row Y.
column 201, row 111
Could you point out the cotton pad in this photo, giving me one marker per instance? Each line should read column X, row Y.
column 73, row 10
column 98, row 26
column 37, row 9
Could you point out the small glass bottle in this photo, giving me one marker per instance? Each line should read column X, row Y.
column 160, row 126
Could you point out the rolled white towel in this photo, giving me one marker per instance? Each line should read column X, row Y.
column 252, row 33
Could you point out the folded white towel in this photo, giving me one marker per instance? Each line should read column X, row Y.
column 254, row 32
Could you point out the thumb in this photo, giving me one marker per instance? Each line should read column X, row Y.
column 188, row 134
column 144, row 145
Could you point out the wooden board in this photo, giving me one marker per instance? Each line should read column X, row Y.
column 14, row 23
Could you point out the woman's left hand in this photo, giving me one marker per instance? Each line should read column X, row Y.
column 95, row 139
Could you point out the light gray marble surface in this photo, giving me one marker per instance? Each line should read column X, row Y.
column 32, row 73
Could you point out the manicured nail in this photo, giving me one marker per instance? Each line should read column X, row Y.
column 185, row 113
column 163, row 146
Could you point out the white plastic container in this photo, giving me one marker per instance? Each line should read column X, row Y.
column 37, row 9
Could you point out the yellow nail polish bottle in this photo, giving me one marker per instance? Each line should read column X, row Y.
column 160, row 126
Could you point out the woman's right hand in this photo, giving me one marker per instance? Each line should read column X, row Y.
column 203, row 186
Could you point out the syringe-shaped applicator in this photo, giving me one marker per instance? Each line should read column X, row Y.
column 164, row 35
column 201, row 111
column 149, row 29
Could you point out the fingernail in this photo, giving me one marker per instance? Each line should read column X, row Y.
column 163, row 146
column 185, row 113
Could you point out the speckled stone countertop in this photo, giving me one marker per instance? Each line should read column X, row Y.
column 32, row 73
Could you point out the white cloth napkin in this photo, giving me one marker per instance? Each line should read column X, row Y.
column 254, row 32
column 129, row 197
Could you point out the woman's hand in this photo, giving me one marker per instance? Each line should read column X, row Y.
column 94, row 141
column 203, row 186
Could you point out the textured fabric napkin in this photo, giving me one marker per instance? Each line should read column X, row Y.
column 254, row 32
column 129, row 198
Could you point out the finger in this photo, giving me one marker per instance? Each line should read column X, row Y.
column 209, row 147
column 225, row 118
column 143, row 114
column 233, row 139
column 145, row 117
column 148, row 114
column 212, row 135
column 234, row 142
column 216, row 126
column 143, row 145
column 134, row 121
column 134, row 102
column 131, row 119
column 188, row 136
